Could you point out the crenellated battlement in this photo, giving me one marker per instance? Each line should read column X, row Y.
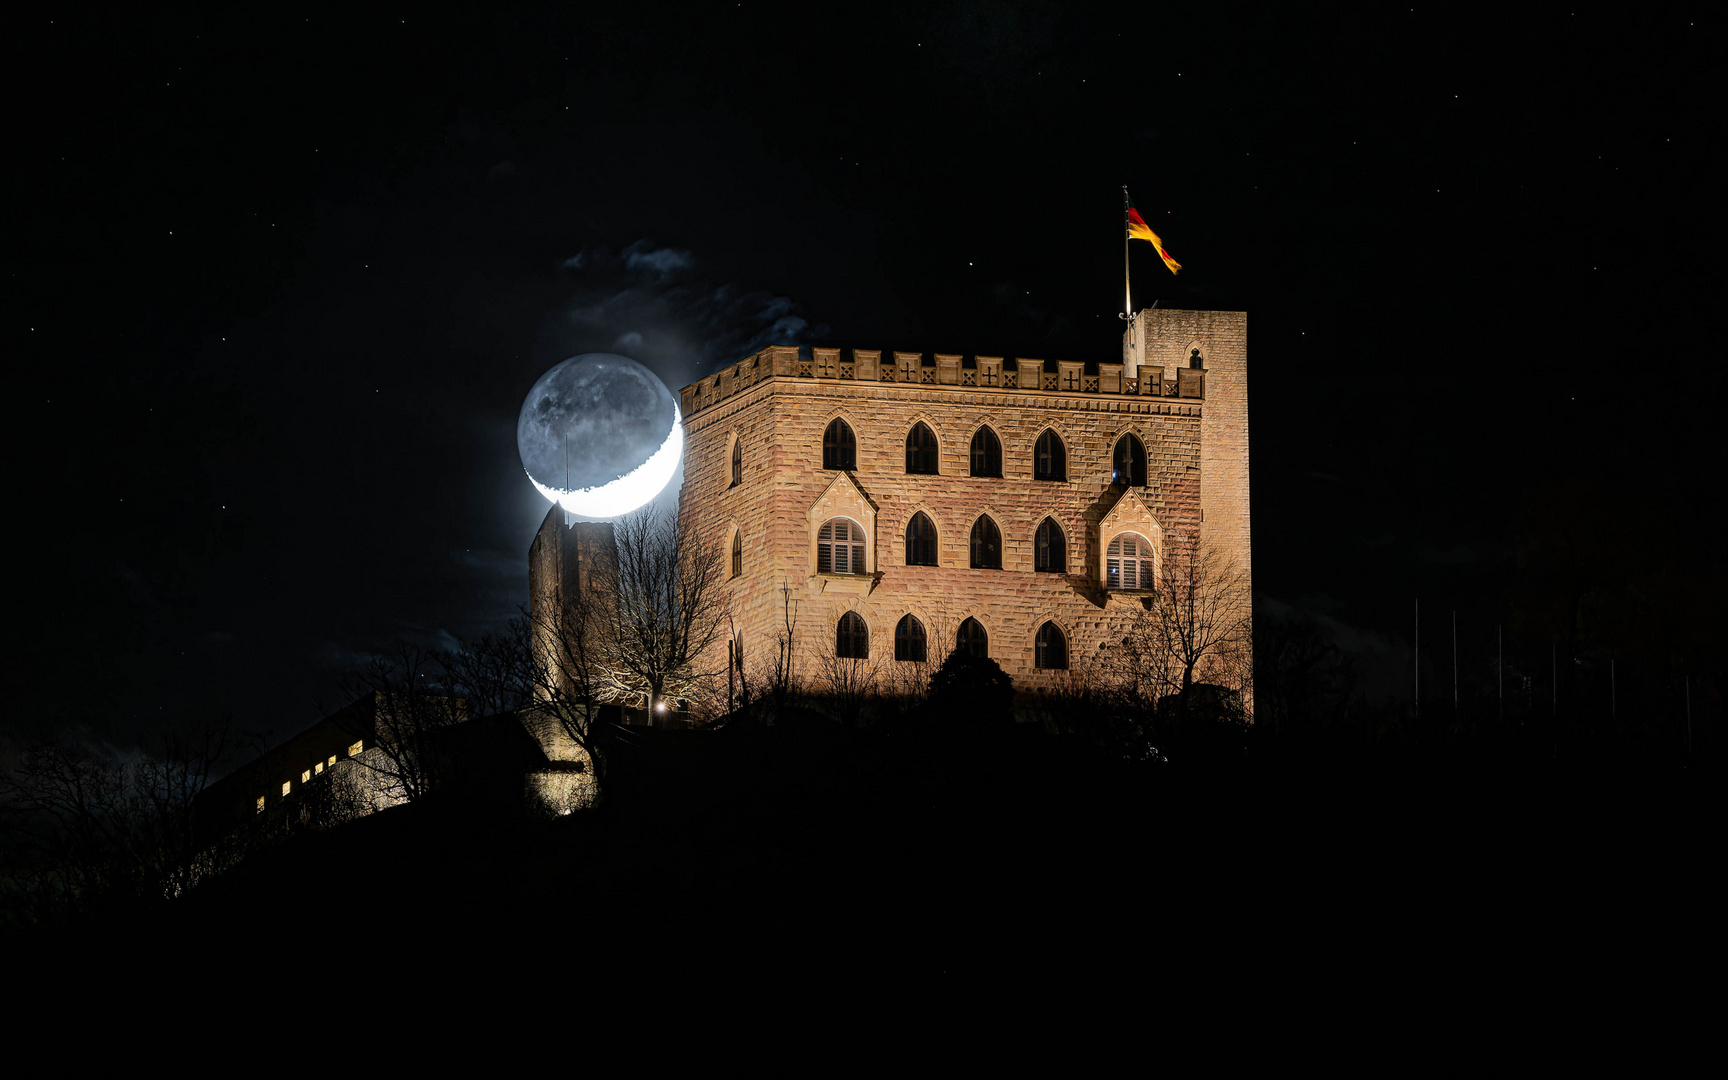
column 934, row 370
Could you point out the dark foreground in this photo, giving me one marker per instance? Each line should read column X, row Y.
column 814, row 856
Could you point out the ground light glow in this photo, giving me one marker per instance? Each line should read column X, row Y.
column 633, row 490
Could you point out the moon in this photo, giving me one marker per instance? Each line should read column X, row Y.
column 600, row 435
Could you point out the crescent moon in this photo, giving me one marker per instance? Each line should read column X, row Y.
column 633, row 490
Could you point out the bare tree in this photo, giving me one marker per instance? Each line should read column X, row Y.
column 908, row 681
column 782, row 675
column 1198, row 626
column 87, row 822
column 414, row 695
column 659, row 605
column 738, row 688
column 849, row 683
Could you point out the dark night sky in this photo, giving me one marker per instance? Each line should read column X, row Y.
column 275, row 285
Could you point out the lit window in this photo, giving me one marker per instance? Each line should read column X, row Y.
column 359, row 745
column 1128, row 463
column 260, row 804
column 306, row 776
column 319, row 768
column 1128, row 563
column 286, row 786
column 840, row 548
column 332, row 760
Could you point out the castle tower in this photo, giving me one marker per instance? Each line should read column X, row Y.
column 1215, row 343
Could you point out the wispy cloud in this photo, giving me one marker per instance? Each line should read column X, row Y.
column 644, row 302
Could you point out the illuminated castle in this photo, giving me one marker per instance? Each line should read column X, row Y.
column 909, row 503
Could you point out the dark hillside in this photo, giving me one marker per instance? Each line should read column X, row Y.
column 814, row 852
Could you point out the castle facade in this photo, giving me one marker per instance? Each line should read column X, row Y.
column 904, row 504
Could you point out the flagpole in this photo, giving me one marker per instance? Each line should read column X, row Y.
column 1127, row 289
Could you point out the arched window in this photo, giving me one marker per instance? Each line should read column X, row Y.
column 909, row 639
column 920, row 541
column 986, row 453
column 921, row 450
column 839, row 448
column 972, row 640
column 852, row 638
column 1051, row 548
column 1049, row 458
column 737, row 554
column 737, row 462
column 1128, row 563
column 1050, row 648
column 1128, row 464
column 840, row 547
column 986, row 545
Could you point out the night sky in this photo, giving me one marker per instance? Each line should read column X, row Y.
column 276, row 285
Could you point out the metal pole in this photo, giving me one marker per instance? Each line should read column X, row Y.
column 1127, row 289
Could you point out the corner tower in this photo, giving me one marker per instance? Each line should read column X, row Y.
column 1214, row 344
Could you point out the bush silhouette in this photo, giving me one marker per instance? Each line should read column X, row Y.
column 972, row 691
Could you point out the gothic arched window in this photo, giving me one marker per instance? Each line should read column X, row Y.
column 839, row 448
column 972, row 640
column 737, row 462
column 1051, row 548
column 737, row 554
column 986, row 545
column 920, row 541
column 1049, row 458
column 851, row 638
column 1128, row 464
column 909, row 639
column 921, row 450
column 840, row 547
column 986, row 453
column 1050, row 648
column 1128, row 563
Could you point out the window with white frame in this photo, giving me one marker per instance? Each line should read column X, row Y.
column 1128, row 563
column 840, row 547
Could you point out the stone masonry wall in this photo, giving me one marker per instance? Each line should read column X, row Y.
column 780, row 419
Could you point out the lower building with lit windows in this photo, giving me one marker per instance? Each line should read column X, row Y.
column 905, row 504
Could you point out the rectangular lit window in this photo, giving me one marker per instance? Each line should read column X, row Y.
column 332, row 759
column 318, row 768
column 285, row 786
column 260, row 804
column 354, row 751
column 306, row 776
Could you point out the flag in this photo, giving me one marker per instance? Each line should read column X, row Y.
column 1139, row 230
